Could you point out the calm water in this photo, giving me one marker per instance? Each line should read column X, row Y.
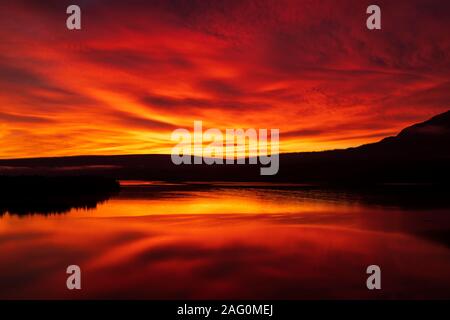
column 229, row 241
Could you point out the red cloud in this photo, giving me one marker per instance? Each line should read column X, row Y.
column 137, row 69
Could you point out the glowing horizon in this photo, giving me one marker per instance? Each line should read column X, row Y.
column 136, row 72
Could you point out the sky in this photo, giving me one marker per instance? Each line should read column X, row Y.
column 140, row 69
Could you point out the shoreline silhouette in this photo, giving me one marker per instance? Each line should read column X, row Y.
column 25, row 195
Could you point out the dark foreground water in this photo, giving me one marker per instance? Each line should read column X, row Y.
column 163, row 241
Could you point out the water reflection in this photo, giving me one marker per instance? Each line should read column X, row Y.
column 52, row 204
column 179, row 242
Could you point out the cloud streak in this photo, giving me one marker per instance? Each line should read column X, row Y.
column 139, row 69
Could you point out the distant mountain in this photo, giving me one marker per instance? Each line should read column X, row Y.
column 418, row 154
column 432, row 137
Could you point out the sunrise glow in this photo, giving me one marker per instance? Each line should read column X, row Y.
column 136, row 72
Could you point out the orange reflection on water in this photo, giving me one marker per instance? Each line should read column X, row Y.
column 223, row 202
column 186, row 247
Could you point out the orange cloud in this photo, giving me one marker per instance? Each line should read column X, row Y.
column 138, row 70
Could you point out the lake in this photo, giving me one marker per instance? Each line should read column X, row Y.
column 157, row 240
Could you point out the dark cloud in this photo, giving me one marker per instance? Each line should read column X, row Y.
column 168, row 102
column 136, row 121
column 220, row 88
column 22, row 118
column 188, row 105
column 21, row 77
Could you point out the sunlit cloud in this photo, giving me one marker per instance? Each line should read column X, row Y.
column 140, row 69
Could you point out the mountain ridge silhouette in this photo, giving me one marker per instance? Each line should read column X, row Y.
column 418, row 154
